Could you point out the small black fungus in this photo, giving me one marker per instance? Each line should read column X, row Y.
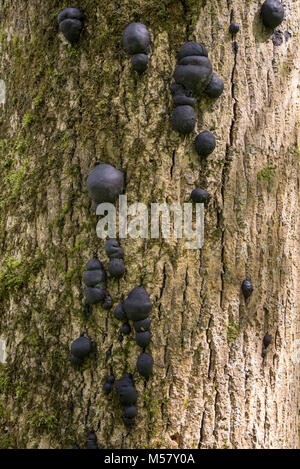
column 247, row 288
column 272, row 13
column 137, row 305
column 111, row 379
column 234, row 28
column 113, row 249
column 205, row 143
column 107, row 388
column 105, row 183
column 79, row 349
column 126, row 390
column 92, row 441
column 130, row 411
column 119, row 313
column 143, row 325
column 264, row 352
column 215, row 87
column 95, row 280
column 128, row 422
column 143, row 338
column 140, row 62
column 70, row 22
column 183, row 119
column 125, row 329
column 267, row 340
column 145, row 364
column 107, row 304
column 200, row 196
column 94, row 295
column 116, row 268
column 191, row 48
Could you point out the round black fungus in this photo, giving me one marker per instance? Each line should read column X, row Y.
column 183, row 119
column 194, row 73
column 141, row 326
column 272, row 13
column 192, row 48
column 75, row 360
column 94, row 295
column 94, row 264
column 81, row 347
column 137, row 305
column 136, row 38
column 247, row 288
column 145, row 364
column 130, row 411
column 107, row 388
column 70, row 23
column 267, row 340
column 143, row 338
column 113, row 249
column 215, row 87
column 129, row 423
column 179, row 90
column 126, row 390
column 234, row 28
column 116, row 268
column 111, row 379
column 200, row 196
column 119, row 313
column 140, row 62
column 264, row 352
column 205, row 143
column 181, row 100
column 92, row 277
column 105, row 183
column 107, row 304
column 92, row 441
column 125, row 329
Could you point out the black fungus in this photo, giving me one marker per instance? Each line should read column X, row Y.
column 234, row 28
column 113, row 249
column 128, row 422
column 92, row 441
column 247, row 288
column 143, row 338
column 264, row 352
column 70, row 22
column 76, row 361
column 111, row 379
column 215, row 87
column 200, row 196
column 143, row 325
column 136, row 38
column 272, row 13
column 145, row 364
column 194, row 73
column 79, row 349
column 94, row 264
column 267, row 340
column 116, row 268
column 107, row 304
column 95, row 280
column 125, row 329
column 140, row 62
column 94, row 277
column 94, row 295
column 138, row 304
column 126, row 390
column 105, row 183
column 181, row 100
column 183, row 119
column 130, row 411
column 119, row 313
column 205, row 143
column 191, row 48
column 107, row 388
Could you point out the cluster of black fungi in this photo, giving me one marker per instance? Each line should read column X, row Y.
column 70, row 21
column 115, row 253
column 136, row 41
column 128, row 396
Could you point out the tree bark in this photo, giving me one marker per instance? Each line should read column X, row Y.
column 63, row 108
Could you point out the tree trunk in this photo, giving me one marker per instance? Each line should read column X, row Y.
column 63, row 108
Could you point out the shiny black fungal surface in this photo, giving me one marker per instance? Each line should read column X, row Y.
column 140, row 62
column 205, row 143
column 136, row 41
column 92, row 441
column 113, row 249
column 247, row 288
column 143, row 325
column 116, row 268
column 119, row 313
column 80, row 348
column 234, row 28
column 191, row 48
column 95, row 280
column 143, row 338
column 183, row 119
column 94, row 295
column 194, row 73
column 272, row 13
column 200, row 196
column 138, row 304
column 126, row 390
column 70, row 22
column 105, row 183
column 145, row 364
column 215, row 87
column 267, row 340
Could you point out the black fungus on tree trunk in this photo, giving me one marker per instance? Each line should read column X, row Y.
column 70, row 21
column 272, row 13
column 136, row 41
column 247, row 288
column 105, row 183
column 115, row 253
column 200, row 196
column 128, row 396
column 234, row 28
column 92, row 441
column 80, row 348
column 94, row 278
column 205, row 143
column 267, row 340
column 145, row 364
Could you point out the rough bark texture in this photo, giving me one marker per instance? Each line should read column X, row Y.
column 67, row 107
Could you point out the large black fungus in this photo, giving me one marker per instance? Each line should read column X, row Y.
column 126, row 390
column 267, row 340
column 138, row 304
column 143, row 338
column 143, row 325
column 95, row 280
column 205, row 143
column 119, row 313
column 116, row 268
column 70, row 22
column 272, row 13
column 94, row 277
column 191, row 48
column 94, row 295
column 145, row 364
column 136, row 41
column 183, row 119
column 79, row 349
column 247, row 288
column 113, row 249
column 194, row 73
column 234, row 28
column 92, row 441
column 200, row 196
column 215, row 87
column 105, row 183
